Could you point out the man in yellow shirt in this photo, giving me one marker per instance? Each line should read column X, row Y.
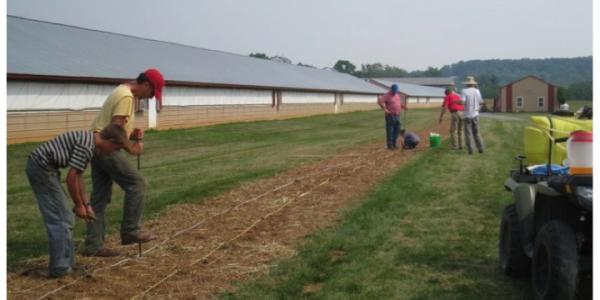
column 119, row 108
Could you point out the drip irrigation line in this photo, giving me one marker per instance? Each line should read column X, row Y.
column 181, row 232
column 218, row 247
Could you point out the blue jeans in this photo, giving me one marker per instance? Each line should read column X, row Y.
column 392, row 129
column 56, row 213
column 472, row 130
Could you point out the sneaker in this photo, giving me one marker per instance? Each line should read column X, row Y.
column 104, row 252
column 140, row 237
column 481, row 151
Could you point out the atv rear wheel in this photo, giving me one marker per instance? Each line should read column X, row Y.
column 554, row 267
column 513, row 260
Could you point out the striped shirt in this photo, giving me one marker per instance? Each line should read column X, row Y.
column 74, row 149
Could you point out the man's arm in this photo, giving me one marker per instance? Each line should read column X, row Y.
column 382, row 104
column 76, row 187
column 135, row 148
column 463, row 97
column 444, row 105
column 120, row 120
column 442, row 113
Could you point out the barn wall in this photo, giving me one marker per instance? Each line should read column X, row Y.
column 43, row 125
column 530, row 89
column 424, row 102
column 40, row 111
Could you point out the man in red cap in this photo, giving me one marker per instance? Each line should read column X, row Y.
column 119, row 108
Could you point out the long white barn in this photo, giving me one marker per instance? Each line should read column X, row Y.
column 59, row 76
column 415, row 95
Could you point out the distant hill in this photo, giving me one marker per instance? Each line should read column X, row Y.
column 560, row 71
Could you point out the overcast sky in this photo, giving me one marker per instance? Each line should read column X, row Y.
column 409, row 34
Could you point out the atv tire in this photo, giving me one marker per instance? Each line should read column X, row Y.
column 513, row 260
column 554, row 268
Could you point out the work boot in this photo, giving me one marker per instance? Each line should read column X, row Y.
column 140, row 237
column 104, row 252
column 60, row 274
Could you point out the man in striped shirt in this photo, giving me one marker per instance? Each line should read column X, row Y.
column 74, row 150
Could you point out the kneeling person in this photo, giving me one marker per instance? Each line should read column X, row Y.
column 411, row 140
column 74, row 150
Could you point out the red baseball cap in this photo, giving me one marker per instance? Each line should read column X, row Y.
column 157, row 81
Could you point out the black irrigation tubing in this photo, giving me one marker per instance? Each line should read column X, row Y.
column 181, row 232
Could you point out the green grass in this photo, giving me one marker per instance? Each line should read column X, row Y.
column 193, row 164
column 430, row 231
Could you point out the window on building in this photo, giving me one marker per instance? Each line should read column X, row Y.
column 540, row 102
column 520, row 102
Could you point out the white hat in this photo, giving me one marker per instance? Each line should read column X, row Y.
column 470, row 80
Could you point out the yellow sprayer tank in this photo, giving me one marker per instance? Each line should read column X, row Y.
column 537, row 137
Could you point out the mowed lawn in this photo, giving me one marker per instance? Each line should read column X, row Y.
column 193, row 164
column 430, row 231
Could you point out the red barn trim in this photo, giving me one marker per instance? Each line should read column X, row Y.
column 551, row 98
column 509, row 98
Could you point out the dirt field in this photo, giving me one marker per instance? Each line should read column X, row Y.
column 203, row 248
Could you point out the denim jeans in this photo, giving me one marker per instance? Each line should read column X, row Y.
column 392, row 129
column 106, row 169
column 56, row 213
column 472, row 130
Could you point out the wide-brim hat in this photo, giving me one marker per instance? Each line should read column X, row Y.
column 470, row 80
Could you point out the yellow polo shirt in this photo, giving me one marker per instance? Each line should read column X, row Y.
column 119, row 103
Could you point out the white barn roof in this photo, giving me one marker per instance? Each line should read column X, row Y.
column 412, row 89
column 49, row 51
column 429, row 81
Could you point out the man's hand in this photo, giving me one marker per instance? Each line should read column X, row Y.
column 137, row 134
column 387, row 112
column 80, row 211
column 84, row 212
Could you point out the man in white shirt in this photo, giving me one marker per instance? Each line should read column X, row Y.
column 472, row 100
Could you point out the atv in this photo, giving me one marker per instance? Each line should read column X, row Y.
column 547, row 232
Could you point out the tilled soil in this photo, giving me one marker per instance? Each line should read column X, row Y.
column 205, row 247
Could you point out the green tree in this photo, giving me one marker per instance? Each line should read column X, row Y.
column 259, row 55
column 488, row 85
column 344, row 66
column 432, row 72
column 380, row 70
column 581, row 91
column 561, row 95
column 305, row 65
